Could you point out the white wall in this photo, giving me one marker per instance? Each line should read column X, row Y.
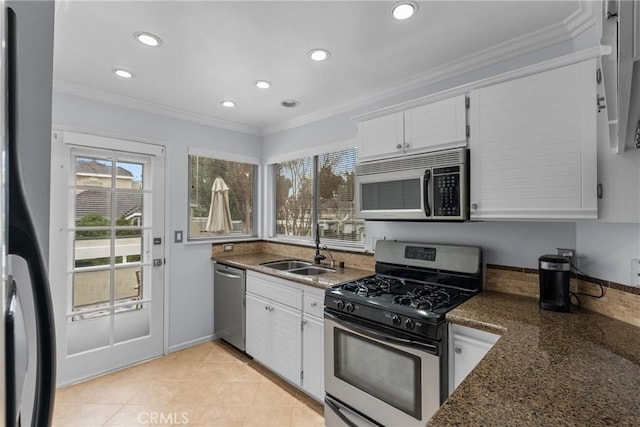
column 605, row 250
column 504, row 243
column 190, row 273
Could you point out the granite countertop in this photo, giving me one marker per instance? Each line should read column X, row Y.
column 547, row 369
column 252, row 261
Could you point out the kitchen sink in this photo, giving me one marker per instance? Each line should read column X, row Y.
column 311, row 271
column 288, row 264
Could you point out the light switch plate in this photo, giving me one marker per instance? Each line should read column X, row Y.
column 177, row 236
column 635, row 273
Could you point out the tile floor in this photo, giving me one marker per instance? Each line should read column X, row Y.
column 208, row 385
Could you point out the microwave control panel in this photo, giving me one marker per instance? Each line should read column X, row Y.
column 446, row 189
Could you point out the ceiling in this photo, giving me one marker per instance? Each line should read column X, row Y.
column 216, row 50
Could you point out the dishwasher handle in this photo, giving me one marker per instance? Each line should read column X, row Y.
column 232, row 276
column 233, row 273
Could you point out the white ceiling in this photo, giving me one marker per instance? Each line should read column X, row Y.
column 215, row 50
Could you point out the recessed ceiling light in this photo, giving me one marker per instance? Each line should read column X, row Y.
column 404, row 10
column 289, row 103
column 148, row 39
column 121, row 72
column 319, row 54
column 228, row 104
column 262, row 84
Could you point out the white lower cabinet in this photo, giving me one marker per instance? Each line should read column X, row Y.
column 282, row 334
column 313, row 350
column 467, row 347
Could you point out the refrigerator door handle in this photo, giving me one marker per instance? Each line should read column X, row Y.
column 22, row 241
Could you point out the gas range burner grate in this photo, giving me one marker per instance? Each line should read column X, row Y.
column 427, row 298
column 371, row 286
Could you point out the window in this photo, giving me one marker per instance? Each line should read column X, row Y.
column 221, row 198
column 318, row 189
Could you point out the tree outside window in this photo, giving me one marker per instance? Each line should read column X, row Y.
column 318, row 189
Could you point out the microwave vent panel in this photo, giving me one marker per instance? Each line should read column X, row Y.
column 439, row 159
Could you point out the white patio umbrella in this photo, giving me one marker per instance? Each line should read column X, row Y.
column 219, row 220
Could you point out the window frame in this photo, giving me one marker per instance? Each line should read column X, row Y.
column 255, row 200
column 271, row 206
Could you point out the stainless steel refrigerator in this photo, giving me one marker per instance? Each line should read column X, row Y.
column 27, row 336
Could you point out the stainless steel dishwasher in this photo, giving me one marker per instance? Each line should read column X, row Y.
column 228, row 304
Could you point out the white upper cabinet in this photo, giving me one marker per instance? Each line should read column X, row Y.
column 438, row 125
column 533, row 146
column 434, row 126
column 381, row 137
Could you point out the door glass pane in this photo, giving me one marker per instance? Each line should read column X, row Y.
column 91, row 289
column 92, row 248
column 93, row 172
column 391, row 375
column 128, row 246
column 128, row 208
column 128, row 283
column 129, row 175
column 93, row 207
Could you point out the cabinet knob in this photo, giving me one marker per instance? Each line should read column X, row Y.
column 399, row 146
column 313, row 304
column 458, row 349
column 407, row 145
column 474, row 206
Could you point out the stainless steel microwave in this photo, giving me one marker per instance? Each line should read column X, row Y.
column 425, row 187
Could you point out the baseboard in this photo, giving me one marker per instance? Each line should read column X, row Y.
column 182, row 346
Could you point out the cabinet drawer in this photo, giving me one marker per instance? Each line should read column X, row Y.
column 268, row 288
column 313, row 305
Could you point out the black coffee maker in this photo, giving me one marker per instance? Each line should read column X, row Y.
column 554, row 271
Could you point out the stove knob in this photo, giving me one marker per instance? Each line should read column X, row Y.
column 340, row 304
column 350, row 307
column 410, row 324
column 396, row 320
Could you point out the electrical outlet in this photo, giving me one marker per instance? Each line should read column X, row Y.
column 635, row 273
column 228, row 248
column 568, row 253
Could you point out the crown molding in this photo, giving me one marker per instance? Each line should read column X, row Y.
column 69, row 88
column 576, row 23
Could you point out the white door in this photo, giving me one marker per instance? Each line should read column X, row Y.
column 107, row 253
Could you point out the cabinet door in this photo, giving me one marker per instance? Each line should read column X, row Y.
column 381, row 137
column 257, row 328
column 313, row 356
column 533, row 146
column 467, row 347
column 438, row 125
column 285, row 342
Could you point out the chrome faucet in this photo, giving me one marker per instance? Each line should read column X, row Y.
column 318, row 257
column 333, row 263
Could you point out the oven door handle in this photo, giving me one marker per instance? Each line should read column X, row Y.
column 381, row 335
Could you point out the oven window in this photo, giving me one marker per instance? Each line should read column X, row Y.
column 391, row 195
column 384, row 372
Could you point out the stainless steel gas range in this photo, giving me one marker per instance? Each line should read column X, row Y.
column 386, row 335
